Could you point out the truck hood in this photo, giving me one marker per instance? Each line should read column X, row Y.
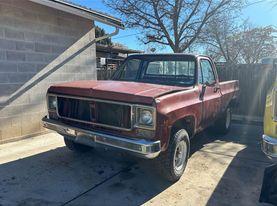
column 134, row 92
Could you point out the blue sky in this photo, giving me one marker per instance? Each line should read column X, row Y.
column 259, row 14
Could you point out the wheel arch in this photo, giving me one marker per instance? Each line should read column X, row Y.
column 187, row 123
column 233, row 103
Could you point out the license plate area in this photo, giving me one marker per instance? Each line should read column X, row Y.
column 85, row 135
column 69, row 131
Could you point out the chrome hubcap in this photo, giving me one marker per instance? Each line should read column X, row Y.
column 180, row 156
column 228, row 118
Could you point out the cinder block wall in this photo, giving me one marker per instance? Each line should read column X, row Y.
column 39, row 46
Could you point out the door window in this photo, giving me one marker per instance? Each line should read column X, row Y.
column 207, row 74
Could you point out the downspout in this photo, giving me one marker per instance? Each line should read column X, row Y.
column 115, row 32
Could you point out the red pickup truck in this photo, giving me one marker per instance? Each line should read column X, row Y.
column 152, row 107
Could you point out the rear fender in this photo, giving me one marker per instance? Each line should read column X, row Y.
column 234, row 103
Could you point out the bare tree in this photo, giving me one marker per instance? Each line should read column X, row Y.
column 174, row 23
column 233, row 42
column 257, row 43
column 220, row 38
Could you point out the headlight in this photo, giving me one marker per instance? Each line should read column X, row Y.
column 145, row 117
column 52, row 102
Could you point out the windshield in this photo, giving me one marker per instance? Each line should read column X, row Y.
column 168, row 72
column 128, row 70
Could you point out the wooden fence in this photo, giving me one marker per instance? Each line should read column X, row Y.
column 104, row 74
column 255, row 80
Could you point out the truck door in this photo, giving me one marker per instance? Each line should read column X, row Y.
column 210, row 92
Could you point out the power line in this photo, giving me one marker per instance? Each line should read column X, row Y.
column 126, row 36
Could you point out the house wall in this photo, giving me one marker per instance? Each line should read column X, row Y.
column 39, row 46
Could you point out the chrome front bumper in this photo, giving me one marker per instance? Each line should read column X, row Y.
column 269, row 146
column 144, row 148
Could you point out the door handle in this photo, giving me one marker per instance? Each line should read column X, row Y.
column 216, row 88
column 202, row 92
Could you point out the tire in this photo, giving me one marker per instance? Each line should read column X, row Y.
column 223, row 124
column 169, row 165
column 75, row 146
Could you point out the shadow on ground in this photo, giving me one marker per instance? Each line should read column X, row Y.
column 241, row 182
column 55, row 176
column 60, row 177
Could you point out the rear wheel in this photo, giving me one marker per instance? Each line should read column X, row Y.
column 75, row 146
column 172, row 163
column 223, row 124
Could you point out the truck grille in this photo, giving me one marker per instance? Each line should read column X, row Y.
column 95, row 112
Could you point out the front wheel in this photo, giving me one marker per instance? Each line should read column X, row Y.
column 172, row 163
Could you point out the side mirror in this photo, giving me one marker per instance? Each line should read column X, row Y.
column 203, row 90
column 209, row 84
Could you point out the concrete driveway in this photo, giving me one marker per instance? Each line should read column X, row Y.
column 222, row 170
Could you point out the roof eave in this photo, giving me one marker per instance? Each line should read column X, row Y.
column 81, row 11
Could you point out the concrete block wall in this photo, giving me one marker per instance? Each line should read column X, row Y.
column 39, row 46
